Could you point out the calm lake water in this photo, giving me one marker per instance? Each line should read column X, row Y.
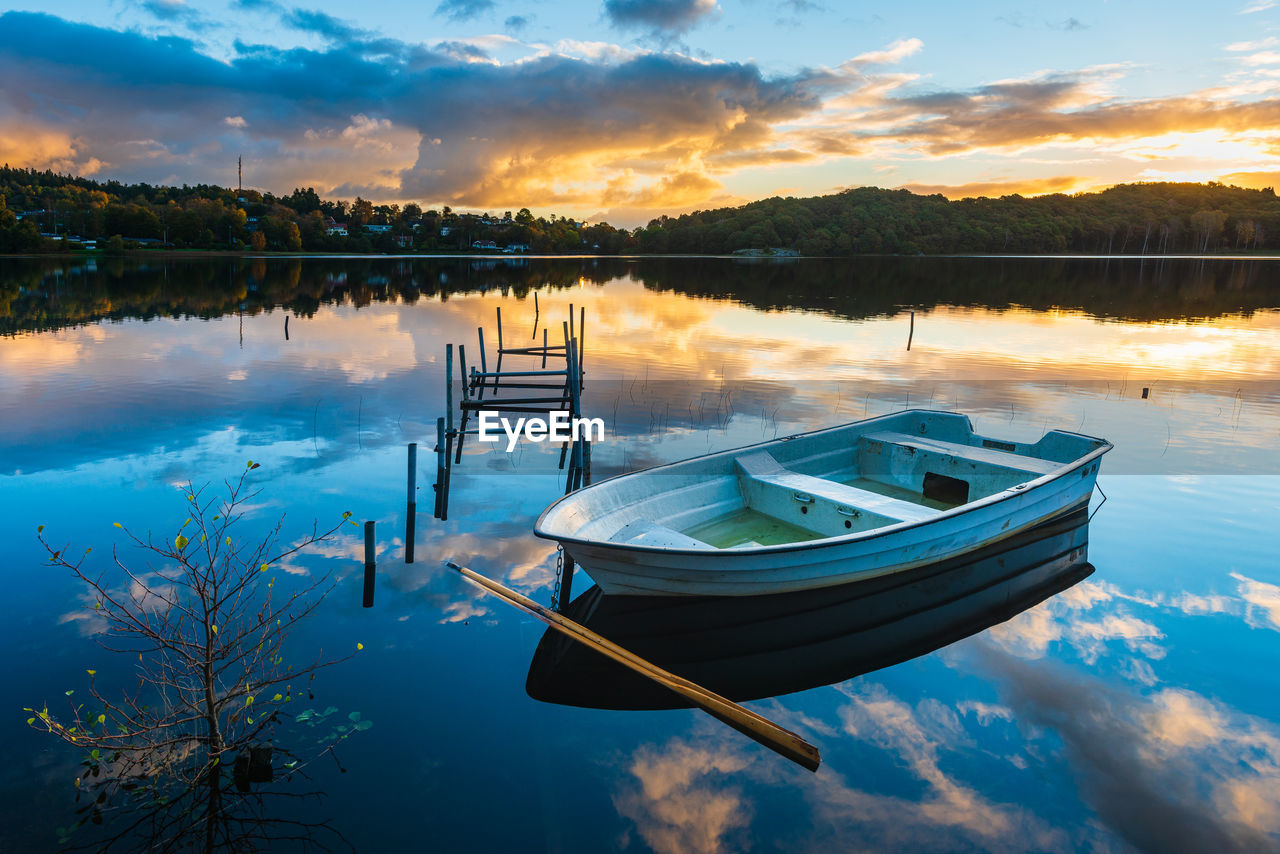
column 1135, row 708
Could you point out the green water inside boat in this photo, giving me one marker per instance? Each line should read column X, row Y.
column 749, row 526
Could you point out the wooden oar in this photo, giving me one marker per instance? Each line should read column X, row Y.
column 745, row 721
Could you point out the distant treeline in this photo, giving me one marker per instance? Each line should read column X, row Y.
column 1127, row 219
column 1139, row 219
column 52, row 293
column 126, row 216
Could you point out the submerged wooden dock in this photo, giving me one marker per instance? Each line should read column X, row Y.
column 523, row 389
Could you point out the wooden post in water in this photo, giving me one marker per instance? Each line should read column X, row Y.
column 370, row 565
column 286, row 327
column 758, row 728
column 912, row 330
column 484, row 367
column 462, row 422
column 440, row 469
column 462, row 368
column 448, row 389
column 411, row 503
column 575, row 405
column 568, row 395
column 448, row 475
column 582, row 326
column 544, row 346
column 566, row 580
column 497, row 369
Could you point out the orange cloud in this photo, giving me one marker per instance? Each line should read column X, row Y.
column 1029, row 187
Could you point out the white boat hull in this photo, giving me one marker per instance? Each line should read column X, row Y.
column 676, row 565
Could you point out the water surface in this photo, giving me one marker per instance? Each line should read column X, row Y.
column 1134, row 709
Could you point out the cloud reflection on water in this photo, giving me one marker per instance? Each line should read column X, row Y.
column 1093, row 687
column 1167, row 771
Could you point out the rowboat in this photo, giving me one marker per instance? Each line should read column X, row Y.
column 819, row 509
column 751, row 647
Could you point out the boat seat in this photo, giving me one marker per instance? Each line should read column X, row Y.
column 762, row 467
column 643, row 532
column 969, row 453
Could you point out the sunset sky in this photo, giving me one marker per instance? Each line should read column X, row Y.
column 624, row 109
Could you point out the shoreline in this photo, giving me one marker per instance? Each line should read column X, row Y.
column 267, row 256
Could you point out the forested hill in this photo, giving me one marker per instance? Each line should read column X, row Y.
column 1129, row 218
column 1126, row 219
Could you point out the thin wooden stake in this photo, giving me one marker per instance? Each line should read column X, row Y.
column 448, row 389
column 411, row 503
column 370, row 566
column 762, row 730
column 462, row 368
column 462, row 422
column 912, row 330
column 497, row 369
column 484, row 367
column 440, row 469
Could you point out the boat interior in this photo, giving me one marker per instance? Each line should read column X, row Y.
column 908, row 467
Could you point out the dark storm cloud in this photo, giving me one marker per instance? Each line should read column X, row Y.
column 441, row 123
column 666, row 17
column 33, row 44
column 451, row 124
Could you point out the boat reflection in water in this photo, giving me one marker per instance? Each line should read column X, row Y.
column 746, row 648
